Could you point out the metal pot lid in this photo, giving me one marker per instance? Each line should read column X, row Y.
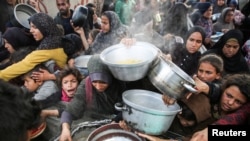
column 22, row 13
column 149, row 102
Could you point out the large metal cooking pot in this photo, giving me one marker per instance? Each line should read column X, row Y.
column 170, row 79
column 22, row 12
column 146, row 112
column 112, row 132
column 129, row 63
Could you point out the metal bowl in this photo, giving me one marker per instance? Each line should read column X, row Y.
column 129, row 63
column 79, row 17
column 82, row 61
column 22, row 13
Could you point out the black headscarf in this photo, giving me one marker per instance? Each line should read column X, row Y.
column 236, row 63
column 51, row 33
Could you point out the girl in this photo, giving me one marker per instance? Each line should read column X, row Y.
column 187, row 56
column 68, row 80
column 196, row 109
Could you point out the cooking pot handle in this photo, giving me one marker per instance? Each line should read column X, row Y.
column 119, row 107
column 190, row 88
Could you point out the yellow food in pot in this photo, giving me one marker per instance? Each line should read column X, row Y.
column 129, row 61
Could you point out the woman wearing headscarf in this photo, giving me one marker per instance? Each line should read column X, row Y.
column 95, row 97
column 186, row 56
column 16, row 39
column 112, row 31
column 219, row 5
column 44, row 31
column 228, row 47
column 176, row 21
column 225, row 21
column 203, row 17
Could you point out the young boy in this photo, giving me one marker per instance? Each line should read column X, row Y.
column 40, row 89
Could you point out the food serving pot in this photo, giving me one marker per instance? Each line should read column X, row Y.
column 170, row 79
column 112, row 132
column 145, row 111
column 129, row 63
column 22, row 12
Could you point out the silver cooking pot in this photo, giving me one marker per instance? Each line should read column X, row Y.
column 112, row 132
column 129, row 63
column 145, row 111
column 22, row 12
column 170, row 79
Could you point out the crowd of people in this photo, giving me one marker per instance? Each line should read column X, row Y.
column 40, row 86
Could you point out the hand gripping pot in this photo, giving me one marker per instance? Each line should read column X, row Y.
column 145, row 111
column 171, row 80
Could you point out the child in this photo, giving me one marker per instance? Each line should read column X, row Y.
column 196, row 109
column 40, row 89
column 19, row 114
column 68, row 81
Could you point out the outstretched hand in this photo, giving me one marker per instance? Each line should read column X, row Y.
column 128, row 41
column 41, row 75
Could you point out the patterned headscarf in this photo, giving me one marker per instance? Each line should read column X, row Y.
column 47, row 26
column 114, row 36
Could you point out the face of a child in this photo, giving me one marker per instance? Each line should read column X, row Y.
column 194, row 42
column 184, row 122
column 105, row 27
column 100, row 85
column 232, row 99
column 30, row 84
column 35, row 32
column 207, row 72
column 69, row 85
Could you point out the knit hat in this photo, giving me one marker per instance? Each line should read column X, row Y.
column 233, row 2
column 98, row 70
column 203, row 6
column 200, row 105
column 17, row 37
column 72, row 43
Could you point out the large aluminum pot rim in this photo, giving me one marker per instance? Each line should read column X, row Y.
column 179, row 71
column 26, row 9
column 166, row 111
column 149, row 46
column 109, row 129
